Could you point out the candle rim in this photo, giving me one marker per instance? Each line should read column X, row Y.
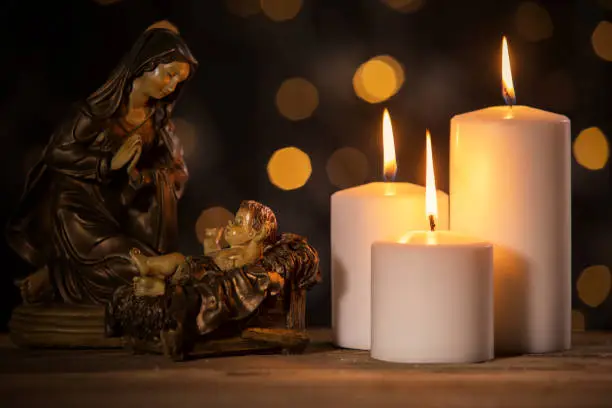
column 464, row 240
column 413, row 188
column 499, row 111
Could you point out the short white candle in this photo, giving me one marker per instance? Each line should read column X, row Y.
column 432, row 299
column 432, row 295
column 510, row 184
column 360, row 216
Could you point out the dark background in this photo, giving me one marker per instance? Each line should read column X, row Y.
column 57, row 52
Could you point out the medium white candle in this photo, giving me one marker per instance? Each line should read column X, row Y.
column 432, row 299
column 432, row 294
column 360, row 216
column 510, row 184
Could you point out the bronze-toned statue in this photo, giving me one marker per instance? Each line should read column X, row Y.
column 179, row 300
column 108, row 180
column 98, row 219
column 253, row 228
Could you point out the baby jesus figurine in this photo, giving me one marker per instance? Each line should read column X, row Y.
column 178, row 299
column 253, row 228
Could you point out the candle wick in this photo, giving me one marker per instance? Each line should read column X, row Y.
column 432, row 223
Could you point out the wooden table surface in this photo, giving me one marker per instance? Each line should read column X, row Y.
column 323, row 376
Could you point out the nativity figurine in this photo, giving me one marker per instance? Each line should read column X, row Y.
column 97, row 222
column 108, row 180
column 179, row 300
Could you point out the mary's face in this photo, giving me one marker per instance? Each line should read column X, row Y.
column 162, row 81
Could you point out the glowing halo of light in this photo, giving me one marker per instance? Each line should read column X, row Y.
column 297, row 99
column 594, row 284
column 602, row 40
column 280, row 10
column 289, row 168
column 213, row 217
column 591, row 149
column 378, row 79
column 533, row 22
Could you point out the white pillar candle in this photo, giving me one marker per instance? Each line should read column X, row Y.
column 360, row 216
column 432, row 299
column 432, row 293
column 510, row 184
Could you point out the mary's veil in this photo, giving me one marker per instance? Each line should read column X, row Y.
column 160, row 43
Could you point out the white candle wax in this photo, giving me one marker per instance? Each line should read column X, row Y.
column 360, row 216
column 510, row 184
column 432, row 299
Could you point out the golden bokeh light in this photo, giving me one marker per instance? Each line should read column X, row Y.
column 187, row 134
column 533, row 22
column 405, row 6
column 243, row 8
column 591, row 149
column 602, row 40
column 289, row 168
column 297, row 99
column 578, row 321
column 378, row 79
column 347, row 167
column 594, row 284
column 213, row 217
column 281, row 10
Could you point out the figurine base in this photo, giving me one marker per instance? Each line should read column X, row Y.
column 60, row 326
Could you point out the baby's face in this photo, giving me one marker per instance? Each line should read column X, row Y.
column 240, row 230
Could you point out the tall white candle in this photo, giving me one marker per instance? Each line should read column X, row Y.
column 360, row 216
column 432, row 295
column 510, row 184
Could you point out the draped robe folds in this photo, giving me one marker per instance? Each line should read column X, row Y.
column 80, row 218
column 214, row 297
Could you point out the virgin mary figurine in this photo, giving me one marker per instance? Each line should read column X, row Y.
column 108, row 180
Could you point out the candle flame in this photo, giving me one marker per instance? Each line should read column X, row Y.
column 389, row 162
column 431, row 199
column 507, row 83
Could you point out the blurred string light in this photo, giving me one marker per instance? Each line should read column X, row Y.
column 281, row 10
column 213, row 217
column 405, row 6
column 578, row 323
column 378, row 79
column 347, row 167
column 591, row 149
column 289, row 168
column 187, row 134
column 602, row 40
column 533, row 22
column 297, row 99
column 593, row 285
column 243, row 8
